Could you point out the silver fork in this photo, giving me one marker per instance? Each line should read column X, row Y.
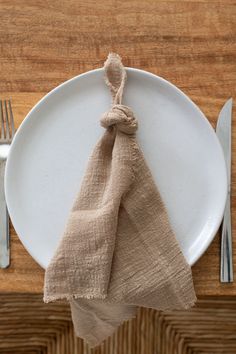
column 7, row 131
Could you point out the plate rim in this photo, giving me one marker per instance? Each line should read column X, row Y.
column 27, row 118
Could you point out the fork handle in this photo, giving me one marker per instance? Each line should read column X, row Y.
column 226, row 269
column 4, row 222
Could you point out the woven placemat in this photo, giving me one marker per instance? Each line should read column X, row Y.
column 29, row 326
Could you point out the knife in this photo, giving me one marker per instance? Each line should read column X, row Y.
column 223, row 131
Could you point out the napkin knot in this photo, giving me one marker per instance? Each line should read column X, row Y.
column 121, row 117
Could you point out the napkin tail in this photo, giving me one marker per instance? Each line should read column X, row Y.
column 148, row 268
column 94, row 320
column 81, row 266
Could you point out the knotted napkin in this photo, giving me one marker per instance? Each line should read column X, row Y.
column 118, row 250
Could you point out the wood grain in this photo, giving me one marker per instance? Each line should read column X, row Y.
column 190, row 43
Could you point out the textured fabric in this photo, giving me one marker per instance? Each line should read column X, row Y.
column 118, row 250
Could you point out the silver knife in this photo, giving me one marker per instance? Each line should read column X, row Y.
column 223, row 131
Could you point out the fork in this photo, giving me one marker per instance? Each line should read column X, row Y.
column 7, row 131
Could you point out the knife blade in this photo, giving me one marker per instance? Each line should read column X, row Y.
column 223, row 131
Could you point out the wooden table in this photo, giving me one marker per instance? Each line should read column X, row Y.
column 190, row 43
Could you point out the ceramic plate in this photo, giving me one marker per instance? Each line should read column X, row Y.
column 50, row 150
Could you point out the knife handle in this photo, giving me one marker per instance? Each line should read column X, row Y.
column 4, row 222
column 226, row 269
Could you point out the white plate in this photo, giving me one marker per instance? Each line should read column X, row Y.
column 50, row 150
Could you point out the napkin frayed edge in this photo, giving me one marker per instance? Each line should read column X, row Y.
column 68, row 297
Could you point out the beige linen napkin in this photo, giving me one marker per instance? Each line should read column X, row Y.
column 118, row 250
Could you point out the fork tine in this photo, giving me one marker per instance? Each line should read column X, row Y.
column 1, row 120
column 11, row 119
column 7, row 121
